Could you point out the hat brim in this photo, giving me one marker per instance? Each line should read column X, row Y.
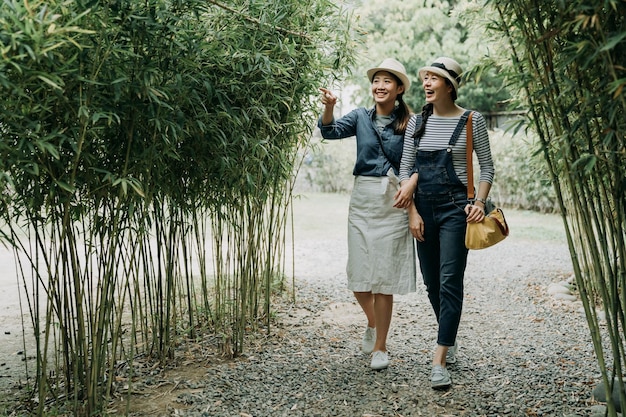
column 441, row 72
column 405, row 80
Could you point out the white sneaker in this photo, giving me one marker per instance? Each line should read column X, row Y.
column 369, row 339
column 380, row 360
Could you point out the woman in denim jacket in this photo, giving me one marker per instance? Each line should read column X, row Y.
column 381, row 255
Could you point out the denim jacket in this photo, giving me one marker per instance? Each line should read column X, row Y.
column 370, row 160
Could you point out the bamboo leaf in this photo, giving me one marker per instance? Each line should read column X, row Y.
column 49, row 82
column 613, row 41
column 586, row 163
column 616, row 87
column 65, row 186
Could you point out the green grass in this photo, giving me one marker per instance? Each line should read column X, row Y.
column 535, row 226
column 324, row 215
column 321, row 215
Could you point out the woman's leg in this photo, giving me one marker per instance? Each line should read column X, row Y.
column 428, row 253
column 383, row 308
column 366, row 301
column 453, row 262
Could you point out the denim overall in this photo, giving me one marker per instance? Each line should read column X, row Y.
column 440, row 199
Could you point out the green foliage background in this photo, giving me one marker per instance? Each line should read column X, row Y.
column 522, row 180
column 416, row 33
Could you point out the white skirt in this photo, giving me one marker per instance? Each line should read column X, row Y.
column 381, row 250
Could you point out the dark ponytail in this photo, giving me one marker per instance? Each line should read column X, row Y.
column 427, row 110
column 403, row 114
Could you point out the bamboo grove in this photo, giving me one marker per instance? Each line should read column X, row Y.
column 567, row 60
column 147, row 151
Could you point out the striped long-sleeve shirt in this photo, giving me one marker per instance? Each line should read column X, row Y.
column 437, row 136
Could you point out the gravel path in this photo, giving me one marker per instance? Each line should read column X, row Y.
column 522, row 352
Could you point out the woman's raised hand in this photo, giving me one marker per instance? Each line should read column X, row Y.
column 328, row 98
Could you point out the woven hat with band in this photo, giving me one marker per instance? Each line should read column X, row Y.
column 394, row 67
column 445, row 67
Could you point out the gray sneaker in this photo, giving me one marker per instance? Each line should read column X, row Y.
column 440, row 378
column 369, row 339
column 451, row 355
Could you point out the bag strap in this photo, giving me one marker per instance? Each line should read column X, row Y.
column 382, row 148
column 469, row 128
column 459, row 127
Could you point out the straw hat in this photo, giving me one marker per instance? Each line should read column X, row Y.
column 394, row 67
column 445, row 67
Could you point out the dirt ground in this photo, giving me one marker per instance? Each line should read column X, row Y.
column 11, row 341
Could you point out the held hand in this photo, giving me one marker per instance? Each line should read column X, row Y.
column 403, row 196
column 328, row 98
column 416, row 224
column 475, row 213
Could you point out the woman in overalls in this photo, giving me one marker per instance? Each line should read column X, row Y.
column 434, row 158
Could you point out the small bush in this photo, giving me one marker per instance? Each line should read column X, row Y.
column 327, row 165
column 521, row 180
